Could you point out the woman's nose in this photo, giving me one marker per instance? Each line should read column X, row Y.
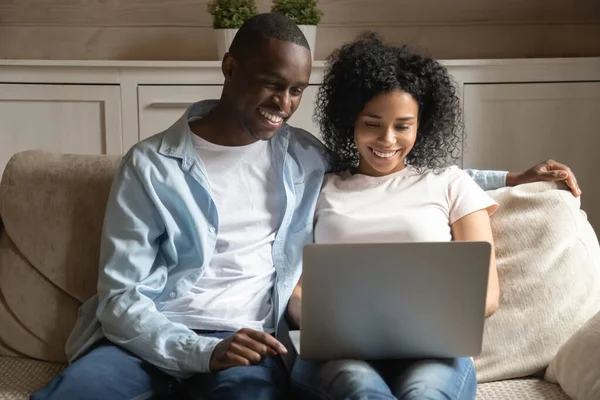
column 388, row 137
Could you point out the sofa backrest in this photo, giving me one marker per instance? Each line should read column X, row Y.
column 52, row 208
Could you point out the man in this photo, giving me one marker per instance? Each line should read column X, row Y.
column 202, row 240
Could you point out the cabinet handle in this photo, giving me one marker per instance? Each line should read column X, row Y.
column 169, row 104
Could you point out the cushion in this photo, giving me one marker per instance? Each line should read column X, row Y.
column 548, row 261
column 20, row 377
column 576, row 367
column 520, row 389
column 52, row 207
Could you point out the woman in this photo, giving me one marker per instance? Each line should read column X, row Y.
column 392, row 120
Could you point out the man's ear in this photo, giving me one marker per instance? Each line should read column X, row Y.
column 228, row 66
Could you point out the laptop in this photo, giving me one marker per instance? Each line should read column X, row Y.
column 392, row 300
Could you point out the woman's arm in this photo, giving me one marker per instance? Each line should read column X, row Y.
column 476, row 227
column 293, row 308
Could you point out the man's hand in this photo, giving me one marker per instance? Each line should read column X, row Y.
column 548, row 170
column 244, row 348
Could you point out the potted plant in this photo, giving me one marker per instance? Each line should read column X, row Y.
column 228, row 17
column 305, row 14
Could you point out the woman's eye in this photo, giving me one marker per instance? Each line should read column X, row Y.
column 371, row 125
column 402, row 128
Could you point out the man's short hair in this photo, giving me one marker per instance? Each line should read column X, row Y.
column 267, row 25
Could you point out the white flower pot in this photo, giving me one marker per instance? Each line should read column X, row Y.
column 310, row 32
column 224, row 39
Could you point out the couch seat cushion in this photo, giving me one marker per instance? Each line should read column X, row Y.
column 520, row 389
column 21, row 376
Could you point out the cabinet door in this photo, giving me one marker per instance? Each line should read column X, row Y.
column 514, row 126
column 161, row 106
column 82, row 119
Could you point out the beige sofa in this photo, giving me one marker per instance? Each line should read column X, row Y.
column 52, row 207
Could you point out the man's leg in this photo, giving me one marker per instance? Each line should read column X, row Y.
column 338, row 380
column 442, row 379
column 107, row 372
column 264, row 381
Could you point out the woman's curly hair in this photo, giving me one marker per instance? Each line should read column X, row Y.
column 367, row 67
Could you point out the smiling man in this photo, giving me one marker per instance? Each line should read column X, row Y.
column 202, row 240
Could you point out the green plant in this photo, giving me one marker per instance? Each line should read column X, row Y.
column 302, row 12
column 231, row 14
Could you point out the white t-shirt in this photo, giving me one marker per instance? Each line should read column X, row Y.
column 406, row 206
column 235, row 289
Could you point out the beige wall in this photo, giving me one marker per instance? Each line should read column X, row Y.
column 181, row 29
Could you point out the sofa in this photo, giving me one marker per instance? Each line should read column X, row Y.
column 52, row 208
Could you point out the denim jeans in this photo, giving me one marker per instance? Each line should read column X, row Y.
column 108, row 371
column 429, row 379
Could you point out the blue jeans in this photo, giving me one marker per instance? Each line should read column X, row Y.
column 430, row 379
column 110, row 372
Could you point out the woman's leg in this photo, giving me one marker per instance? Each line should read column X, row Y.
column 338, row 380
column 432, row 379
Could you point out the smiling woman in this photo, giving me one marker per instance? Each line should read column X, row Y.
column 392, row 120
column 418, row 100
column 385, row 132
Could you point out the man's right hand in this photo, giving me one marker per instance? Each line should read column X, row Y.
column 244, row 348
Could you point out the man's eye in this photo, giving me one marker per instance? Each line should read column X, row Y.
column 270, row 83
column 297, row 91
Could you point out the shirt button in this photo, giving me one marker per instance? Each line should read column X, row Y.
column 212, row 229
column 172, row 295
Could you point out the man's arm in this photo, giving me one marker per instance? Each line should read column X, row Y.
column 548, row 170
column 488, row 180
column 130, row 278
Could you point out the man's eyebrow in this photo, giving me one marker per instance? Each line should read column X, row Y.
column 280, row 77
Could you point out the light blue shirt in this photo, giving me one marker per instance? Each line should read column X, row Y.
column 160, row 230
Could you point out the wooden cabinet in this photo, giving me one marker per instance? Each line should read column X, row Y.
column 510, row 126
column 159, row 106
column 82, row 119
column 517, row 112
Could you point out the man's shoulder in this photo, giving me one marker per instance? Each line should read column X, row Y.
column 305, row 138
column 306, row 144
column 145, row 156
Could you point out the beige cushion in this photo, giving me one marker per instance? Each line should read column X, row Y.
column 548, row 261
column 576, row 367
column 520, row 389
column 20, row 377
column 52, row 207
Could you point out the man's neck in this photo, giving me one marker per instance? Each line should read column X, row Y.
column 220, row 127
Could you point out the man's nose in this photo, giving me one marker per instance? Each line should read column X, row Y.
column 283, row 100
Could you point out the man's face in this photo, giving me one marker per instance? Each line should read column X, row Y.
column 266, row 87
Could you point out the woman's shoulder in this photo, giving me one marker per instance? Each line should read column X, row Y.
column 445, row 174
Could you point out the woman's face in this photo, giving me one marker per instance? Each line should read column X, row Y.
column 385, row 132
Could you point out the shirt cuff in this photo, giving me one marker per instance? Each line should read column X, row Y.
column 488, row 180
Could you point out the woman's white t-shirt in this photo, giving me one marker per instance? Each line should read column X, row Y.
column 406, row 206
